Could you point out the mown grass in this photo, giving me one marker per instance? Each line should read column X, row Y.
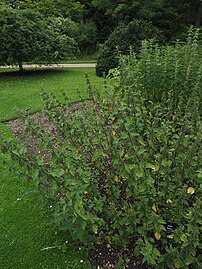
column 19, row 91
column 27, row 240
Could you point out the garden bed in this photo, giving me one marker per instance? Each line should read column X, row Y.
column 102, row 256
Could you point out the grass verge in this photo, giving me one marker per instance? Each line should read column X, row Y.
column 19, row 91
column 27, row 241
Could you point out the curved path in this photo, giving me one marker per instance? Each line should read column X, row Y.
column 52, row 65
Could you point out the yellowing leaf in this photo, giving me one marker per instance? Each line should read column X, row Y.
column 183, row 237
column 95, row 229
column 108, row 246
column 113, row 133
column 157, row 236
column 168, row 201
column 190, row 190
column 174, row 117
column 190, row 213
column 170, row 153
column 141, row 142
column 154, row 168
column 170, row 236
column 72, row 148
column 154, row 208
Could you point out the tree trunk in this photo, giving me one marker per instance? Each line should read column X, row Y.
column 21, row 67
column 199, row 15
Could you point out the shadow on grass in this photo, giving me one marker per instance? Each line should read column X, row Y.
column 9, row 73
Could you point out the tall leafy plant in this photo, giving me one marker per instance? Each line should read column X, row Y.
column 170, row 74
column 124, row 169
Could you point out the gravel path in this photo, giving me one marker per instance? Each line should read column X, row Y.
column 51, row 65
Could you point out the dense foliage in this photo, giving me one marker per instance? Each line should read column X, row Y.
column 65, row 8
column 124, row 170
column 26, row 37
column 170, row 16
column 121, row 40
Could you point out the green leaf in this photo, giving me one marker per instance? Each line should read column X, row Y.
column 139, row 174
column 40, row 161
column 57, row 172
column 95, row 229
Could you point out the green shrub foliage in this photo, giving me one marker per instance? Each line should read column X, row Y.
column 25, row 36
column 121, row 40
column 84, row 33
column 124, row 169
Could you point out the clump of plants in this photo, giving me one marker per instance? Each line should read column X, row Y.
column 124, row 170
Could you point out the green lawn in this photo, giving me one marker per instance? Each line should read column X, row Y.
column 21, row 91
column 27, row 239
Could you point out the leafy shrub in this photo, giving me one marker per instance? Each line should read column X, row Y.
column 25, row 36
column 124, row 169
column 84, row 33
column 121, row 40
column 86, row 37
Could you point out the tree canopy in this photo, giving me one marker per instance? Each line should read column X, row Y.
column 25, row 36
column 124, row 38
column 91, row 22
column 168, row 15
column 64, row 8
